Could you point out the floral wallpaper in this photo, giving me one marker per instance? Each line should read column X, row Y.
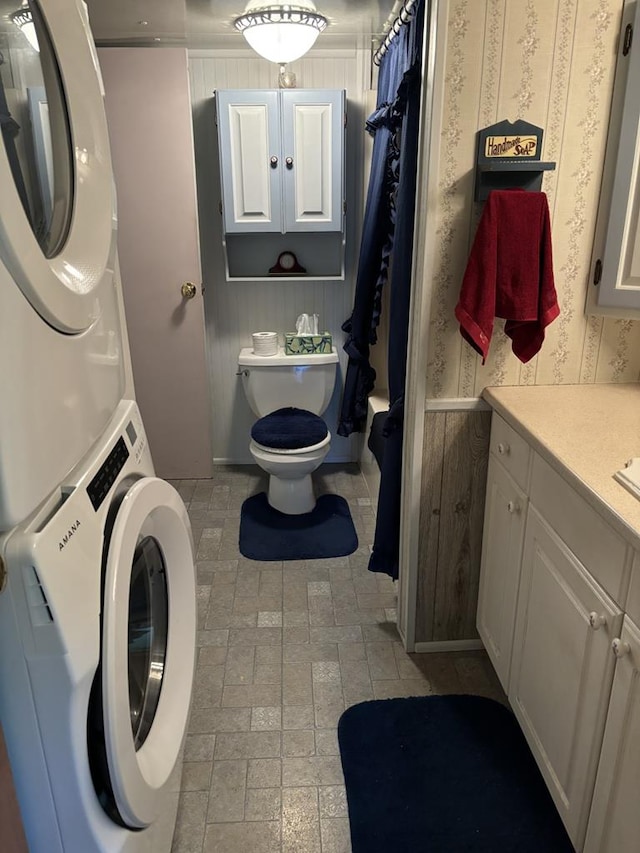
column 550, row 62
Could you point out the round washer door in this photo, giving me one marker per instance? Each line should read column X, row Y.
column 148, row 646
column 57, row 219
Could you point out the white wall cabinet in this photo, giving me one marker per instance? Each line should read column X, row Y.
column 615, row 268
column 281, row 160
column 553, row 591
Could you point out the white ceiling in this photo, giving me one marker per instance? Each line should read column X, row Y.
column 209, row 23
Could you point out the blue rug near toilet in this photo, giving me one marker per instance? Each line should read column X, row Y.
column 268, row 534
column 444, row 774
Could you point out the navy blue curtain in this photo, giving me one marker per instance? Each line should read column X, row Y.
column 387, row 234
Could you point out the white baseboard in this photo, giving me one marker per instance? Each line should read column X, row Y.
column 448, row 646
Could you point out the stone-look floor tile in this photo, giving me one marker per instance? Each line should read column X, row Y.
column 390, row 614
column 327, row 714
column 240, row 745
column 207, row 687
column 240, row 665
column 297, row 717
column 296, row 618
column 196, row 776
column 266, row 719
column 255, row 637
column 351, row 652
column 381, row 632
column 227, row 794
column 267, row 674
column 296, row 684
column 310, row 652
column 250, row 695
column 263, row 804
column 322, row 588
column 297, row 744
column 295, row 635
column 315, row 770
column 190, row 824
column 212, row 720
column 269, row 619
column 212, row 638
column 371, row 601
column 212, row 655
column 264, row 773
column 327, row 742
column 300, row 820
column 400, row 688
column 356, row 681
column 199, row 747
column 256, row 836
column 326, row 671
column 332, row 801
column 382, row 661
column 335, row 834
column 268, row 655
column 347, row 634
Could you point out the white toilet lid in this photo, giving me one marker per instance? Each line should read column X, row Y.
column 296, row 451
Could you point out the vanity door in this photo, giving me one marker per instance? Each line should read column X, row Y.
column 562, row 669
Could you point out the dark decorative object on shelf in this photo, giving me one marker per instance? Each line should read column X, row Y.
column 287, row 264
column 508, row 156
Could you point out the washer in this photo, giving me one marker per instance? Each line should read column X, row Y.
column 63, row 355
column 97, row 648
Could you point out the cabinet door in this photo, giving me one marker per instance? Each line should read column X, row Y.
column 250, row 160
column 503, row 534
column 313, row 155
column 617, row 242
column 614, row 824
column 562, row 669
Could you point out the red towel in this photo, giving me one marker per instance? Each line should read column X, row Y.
column 510, row 274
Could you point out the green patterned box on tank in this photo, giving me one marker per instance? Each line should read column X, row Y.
column 306, row 344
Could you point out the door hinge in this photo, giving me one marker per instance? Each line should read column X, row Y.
column 345, row 119
column 628, row 39
column 344, row 206
column 597, row 272
column 220, row 207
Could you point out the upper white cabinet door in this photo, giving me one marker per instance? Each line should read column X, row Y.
column 616, row 259
column 249, row 137
column 313, row 144
column 614, row 825
column 562, row 669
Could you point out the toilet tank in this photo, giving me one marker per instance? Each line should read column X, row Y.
column 272, row 382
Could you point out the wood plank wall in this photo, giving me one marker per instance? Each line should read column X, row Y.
column 454, row 476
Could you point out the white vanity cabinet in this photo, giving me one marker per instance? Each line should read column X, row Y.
column 503, row 535
column 281, row 160
column 614, row 825
column 556, row 580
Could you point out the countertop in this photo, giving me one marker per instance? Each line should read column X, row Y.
column 587, row 432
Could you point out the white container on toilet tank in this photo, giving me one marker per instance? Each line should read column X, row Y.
column 301, row 382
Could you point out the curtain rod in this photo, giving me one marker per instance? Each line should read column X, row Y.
column 403, row 17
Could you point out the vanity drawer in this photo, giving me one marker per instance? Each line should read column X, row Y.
column 598, row 547
column 510, row 449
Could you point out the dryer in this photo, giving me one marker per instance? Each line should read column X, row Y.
column 97, row 648
column 63, row 356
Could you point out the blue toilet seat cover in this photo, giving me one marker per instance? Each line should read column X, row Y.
column 289, row 429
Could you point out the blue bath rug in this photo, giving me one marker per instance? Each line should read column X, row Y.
column 268, row 534
column 444, row 774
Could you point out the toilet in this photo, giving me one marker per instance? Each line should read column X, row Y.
column 290, row 439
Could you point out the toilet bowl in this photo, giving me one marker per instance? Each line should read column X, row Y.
column 290, row 439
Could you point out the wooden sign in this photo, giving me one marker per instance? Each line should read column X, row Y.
column 507, row 156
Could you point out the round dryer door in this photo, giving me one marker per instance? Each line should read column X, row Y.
column 56, row 206
column 148, row 646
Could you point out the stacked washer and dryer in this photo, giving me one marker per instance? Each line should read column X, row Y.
column 97, row 601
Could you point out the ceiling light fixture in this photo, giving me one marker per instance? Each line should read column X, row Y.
column 24, row 20
column 281, row 32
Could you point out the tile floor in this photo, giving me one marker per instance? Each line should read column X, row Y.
column 283, row 649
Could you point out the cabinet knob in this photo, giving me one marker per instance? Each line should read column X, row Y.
column 597, row 620
column 274, row 162
column 503, row 449
column 289, row 162
column 619, row 648
column 513, row 507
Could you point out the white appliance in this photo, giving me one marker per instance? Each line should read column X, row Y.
column 63, row 359
column 97, row 647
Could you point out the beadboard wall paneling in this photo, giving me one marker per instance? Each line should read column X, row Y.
column 235, row 310
column 550, row 62
column 454, row 476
